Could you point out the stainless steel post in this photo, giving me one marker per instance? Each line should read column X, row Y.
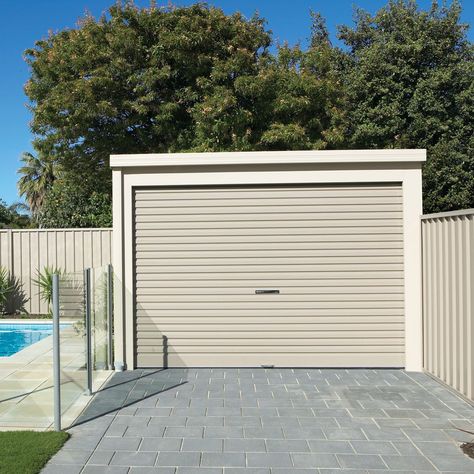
column 87, row 297
column 56, row 355
column 110, row 310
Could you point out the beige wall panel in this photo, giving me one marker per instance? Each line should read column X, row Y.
column 334, row 252
column 24, row 252
column 448, row 292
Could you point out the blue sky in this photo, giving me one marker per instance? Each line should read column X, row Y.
column 21, row 23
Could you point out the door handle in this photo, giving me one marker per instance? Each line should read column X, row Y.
column 267, row 292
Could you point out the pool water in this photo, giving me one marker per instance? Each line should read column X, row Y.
column 16, row 336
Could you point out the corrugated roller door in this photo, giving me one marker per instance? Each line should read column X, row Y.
column 334, row 253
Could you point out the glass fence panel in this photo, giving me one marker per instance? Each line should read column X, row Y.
column 99, row 324
column 72, row 342
column 26, row 377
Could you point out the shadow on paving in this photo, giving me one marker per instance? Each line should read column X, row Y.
column 129, row 387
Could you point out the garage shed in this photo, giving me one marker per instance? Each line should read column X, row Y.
column 285, row 259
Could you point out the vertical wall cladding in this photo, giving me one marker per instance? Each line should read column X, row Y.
column 448, row 292
column 25, row 252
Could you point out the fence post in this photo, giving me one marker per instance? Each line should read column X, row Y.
column 87, row 297
column 110, row 306
column 56, row 354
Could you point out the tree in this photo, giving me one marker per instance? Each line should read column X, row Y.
column 409, row 80
column 38, row 175
column 130, row 82
column 13, row 216
column 285, row 104
column 75, row 204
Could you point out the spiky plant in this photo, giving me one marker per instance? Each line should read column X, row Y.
column 44, row 281
column 6, row 287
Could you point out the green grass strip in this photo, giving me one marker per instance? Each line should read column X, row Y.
column 26, row 452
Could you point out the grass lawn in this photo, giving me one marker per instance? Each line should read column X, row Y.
column 26, row 452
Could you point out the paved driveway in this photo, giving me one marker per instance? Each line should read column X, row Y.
column 249, row 421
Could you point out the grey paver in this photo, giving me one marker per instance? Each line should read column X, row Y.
column 145, row 431
column 330, row 446
column 203, row 445
column 244, row 445
column 82, row 442
column 304, row 432
column 384, row 434
column 104, row 470
column 315, row 460
column 224, row 432
column 223, row 459
column 246, row 421
column 119, row 444
column 126, row 458
column 178, row 459
column 295, row 471
column 100, row 458
column 247, row 470
column 160, row 444
column 184, row 432
column 71, row 456
column 361, row 461
column 61, row 468
column 151, row 470
column 287, row 445
column 347, row 434
column 274, row 432
column 156, row 411
column 417, row 463
column 425, row 435
column 373, row 447
column 268, row 460
column 199, row 470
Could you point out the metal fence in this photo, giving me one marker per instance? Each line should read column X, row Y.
column 25, row 252
column 82, row 339
column 448, row 298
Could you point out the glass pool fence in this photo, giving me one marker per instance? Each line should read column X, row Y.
column 82, row 337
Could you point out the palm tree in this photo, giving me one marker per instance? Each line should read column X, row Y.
column 38, row 175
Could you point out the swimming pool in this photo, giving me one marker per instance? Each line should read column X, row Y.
column 16, row 336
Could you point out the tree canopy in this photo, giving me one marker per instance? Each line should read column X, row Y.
column 172, row 79
column 13, row 216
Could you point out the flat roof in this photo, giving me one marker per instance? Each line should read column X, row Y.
column 267, row 157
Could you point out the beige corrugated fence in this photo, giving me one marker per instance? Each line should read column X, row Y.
column 448, row 292
column 24, row 252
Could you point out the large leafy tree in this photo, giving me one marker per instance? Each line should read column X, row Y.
column 131, row 81
column 409, row 80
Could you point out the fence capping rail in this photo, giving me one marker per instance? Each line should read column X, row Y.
column 461, row 212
